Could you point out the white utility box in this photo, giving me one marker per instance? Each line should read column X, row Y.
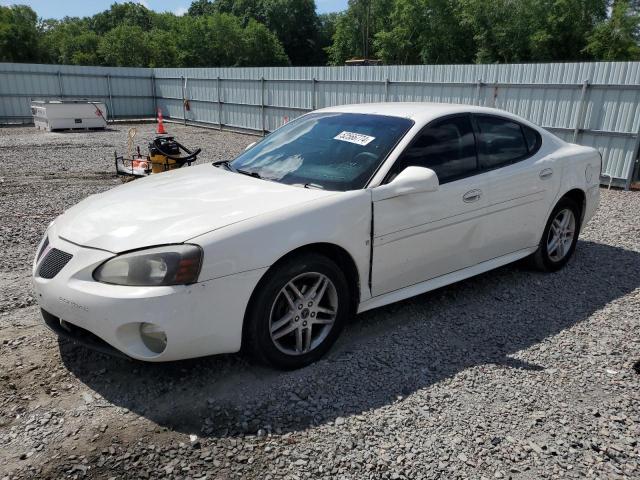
column 68, row 114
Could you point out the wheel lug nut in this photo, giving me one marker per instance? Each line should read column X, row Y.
column 310, row 304
column 297, row 318
column 304, row 324
column 313, row 314
column 300, row 307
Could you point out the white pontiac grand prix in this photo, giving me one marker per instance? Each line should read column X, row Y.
column 340, row 211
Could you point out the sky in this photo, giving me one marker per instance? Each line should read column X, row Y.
column 83, row 8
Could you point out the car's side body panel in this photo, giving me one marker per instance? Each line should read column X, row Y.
column 441, row 281
column 519, row 197
column 425, row 235
column 580, row 170
column 343, row 220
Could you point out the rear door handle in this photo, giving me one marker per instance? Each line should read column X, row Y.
column 546, row 173
column 472, row 196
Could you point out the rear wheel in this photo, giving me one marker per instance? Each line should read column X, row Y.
column 559, row 238
column 297, row 312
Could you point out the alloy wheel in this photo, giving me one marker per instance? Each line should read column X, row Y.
column 303, row 313
column 561, row 235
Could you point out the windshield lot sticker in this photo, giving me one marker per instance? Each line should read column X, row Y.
column 357, row 138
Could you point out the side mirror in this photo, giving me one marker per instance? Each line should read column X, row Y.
column 249, row 146
column 410, row 180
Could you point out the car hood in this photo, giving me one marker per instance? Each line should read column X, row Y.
column 173, row 207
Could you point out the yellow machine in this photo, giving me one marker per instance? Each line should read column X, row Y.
column 165, row 153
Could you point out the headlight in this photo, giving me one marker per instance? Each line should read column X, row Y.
column 167, row 265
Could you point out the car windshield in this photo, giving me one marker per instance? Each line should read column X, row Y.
column 333, row 151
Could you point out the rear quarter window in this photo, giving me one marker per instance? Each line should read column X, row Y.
column 502, row 141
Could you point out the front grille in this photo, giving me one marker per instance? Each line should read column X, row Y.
column 53, row 263
column 45, row 244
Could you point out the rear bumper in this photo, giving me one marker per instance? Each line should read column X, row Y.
column 200, row 319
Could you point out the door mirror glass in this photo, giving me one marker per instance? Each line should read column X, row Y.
column 410, row 180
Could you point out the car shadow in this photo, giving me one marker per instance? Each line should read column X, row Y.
column 381, row 357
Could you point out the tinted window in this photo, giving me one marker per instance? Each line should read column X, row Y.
column 446, row 146
column 335, row 151
column 501, row 142
column 532, row 138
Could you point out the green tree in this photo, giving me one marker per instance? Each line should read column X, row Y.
column 261, row 47
column 69, row 41
column 162, row 48
column 425, row 31
column 295, row 23
column 357, row 27
column 501, row 29
column 618, row 38
column 562, row 28
column 125, row 46
column 200, row 7
column 210, row 41
column 19, row 36
column 128, row 13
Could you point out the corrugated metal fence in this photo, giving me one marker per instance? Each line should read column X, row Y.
column 594, row 104
column 127, row 92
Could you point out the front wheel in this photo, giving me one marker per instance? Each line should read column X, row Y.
column 297, row 311
column 559, row 238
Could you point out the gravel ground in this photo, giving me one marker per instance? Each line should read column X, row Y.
column 512, row 374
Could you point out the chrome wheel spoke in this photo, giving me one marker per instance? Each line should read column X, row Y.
column 327, row 311
column 299, row 346
column 275, row 326
column 295, row 290
column 307, row 339
column 313, row 291
column 287, row 296
column 322, row 321
column 284, row 331
column 298, row 323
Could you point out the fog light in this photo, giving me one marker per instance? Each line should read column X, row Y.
column 153, row 337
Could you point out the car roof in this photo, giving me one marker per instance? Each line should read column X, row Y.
column 419, row 112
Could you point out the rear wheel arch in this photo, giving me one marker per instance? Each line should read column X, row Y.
column 579, row 197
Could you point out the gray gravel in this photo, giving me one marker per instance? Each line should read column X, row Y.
column 512, row 374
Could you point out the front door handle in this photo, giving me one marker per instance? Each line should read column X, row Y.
column 472, row 196
column 546, row 173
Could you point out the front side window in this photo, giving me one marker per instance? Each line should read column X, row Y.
column 446, row 146
column 333, row 150
column 502, row 141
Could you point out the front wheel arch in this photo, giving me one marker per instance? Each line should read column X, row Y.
column 333, row 252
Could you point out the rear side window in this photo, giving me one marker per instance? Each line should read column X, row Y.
column 533, row 139
column 446, row 146
column 502, row 141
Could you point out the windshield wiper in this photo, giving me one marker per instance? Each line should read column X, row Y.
column 313, row 185
column 247, row 172
column 225, row 163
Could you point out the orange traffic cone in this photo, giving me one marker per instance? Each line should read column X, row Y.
column 160, row 130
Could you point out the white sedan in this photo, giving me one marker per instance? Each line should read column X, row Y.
column 340, row 211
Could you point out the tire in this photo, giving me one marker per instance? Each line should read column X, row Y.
column 289, row 329
column 549, row 258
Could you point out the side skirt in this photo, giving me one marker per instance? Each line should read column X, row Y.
column 443, row 280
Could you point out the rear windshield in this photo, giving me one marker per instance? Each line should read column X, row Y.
column 333, row 151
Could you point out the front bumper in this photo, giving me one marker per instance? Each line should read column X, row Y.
column 200, row 319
